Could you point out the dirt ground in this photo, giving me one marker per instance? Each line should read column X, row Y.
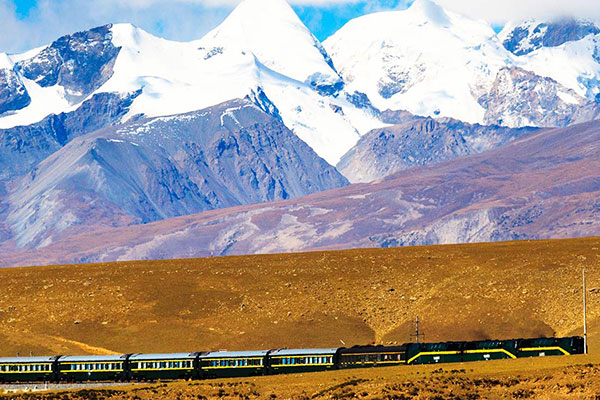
column 459, row 292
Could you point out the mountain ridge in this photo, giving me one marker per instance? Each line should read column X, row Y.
column 418, row 141
column 541, row 186
column 163, row 167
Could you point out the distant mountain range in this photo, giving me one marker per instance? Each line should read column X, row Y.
column 540, row 186
column 114, row 128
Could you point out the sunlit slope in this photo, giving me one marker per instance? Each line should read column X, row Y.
column 500, row 290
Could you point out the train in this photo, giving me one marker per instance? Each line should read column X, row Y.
column 228, row 364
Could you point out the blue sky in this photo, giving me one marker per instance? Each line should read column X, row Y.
column 322, row 20
column 27, row 24
column 32, row 23
column 23, row 7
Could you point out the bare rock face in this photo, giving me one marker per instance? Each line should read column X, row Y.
column 522, row 98
column 396, row 148
column 158, row 168
column 22, row 147
column 13, row 94
column 81, row 62
column 418, row 141
column 532, row 35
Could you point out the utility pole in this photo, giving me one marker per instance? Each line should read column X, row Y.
column 585, row 348
column 417, row 335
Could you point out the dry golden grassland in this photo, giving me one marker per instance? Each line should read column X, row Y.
column 460, row 292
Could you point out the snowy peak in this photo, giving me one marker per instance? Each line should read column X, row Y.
column 527, row 36
column 429, row 11
column 272, row 31
column 425, row 60
column 254, row 51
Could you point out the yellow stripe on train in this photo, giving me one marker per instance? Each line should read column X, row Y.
column 434, row 353
column 479, row 351
column 566, row 353
column 431, row 353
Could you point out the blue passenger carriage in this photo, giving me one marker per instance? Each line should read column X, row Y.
column 163, row 366
column 224, row 364
column 302, row 360
column 27, row 369
column 92, row 368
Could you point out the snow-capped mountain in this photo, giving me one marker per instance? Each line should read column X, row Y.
column 522, row 38
column 433, row 62
column 575, row 65
column 279, row 40
column 566, row 50
column 425, row 59
column 252, row 51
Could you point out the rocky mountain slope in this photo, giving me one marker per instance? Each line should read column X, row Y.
column 418, row 141
column 542, row 186
column 522, row 98
column 163, row 167
column 527, row 36
column 23, row 147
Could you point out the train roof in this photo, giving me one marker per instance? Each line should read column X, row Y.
column 26, row 360
column 373, row 349
column 105, row 358
column 303, row 352
column 162, row 356
column 234, row 354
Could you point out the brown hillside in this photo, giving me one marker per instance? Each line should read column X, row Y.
column 459, row 292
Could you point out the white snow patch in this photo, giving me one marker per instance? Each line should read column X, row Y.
column 571, row 64
column 44, row 101
column 359, row 196
column 5, row 61
column 271, row 30
column 567, row 98
column 230, row 113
